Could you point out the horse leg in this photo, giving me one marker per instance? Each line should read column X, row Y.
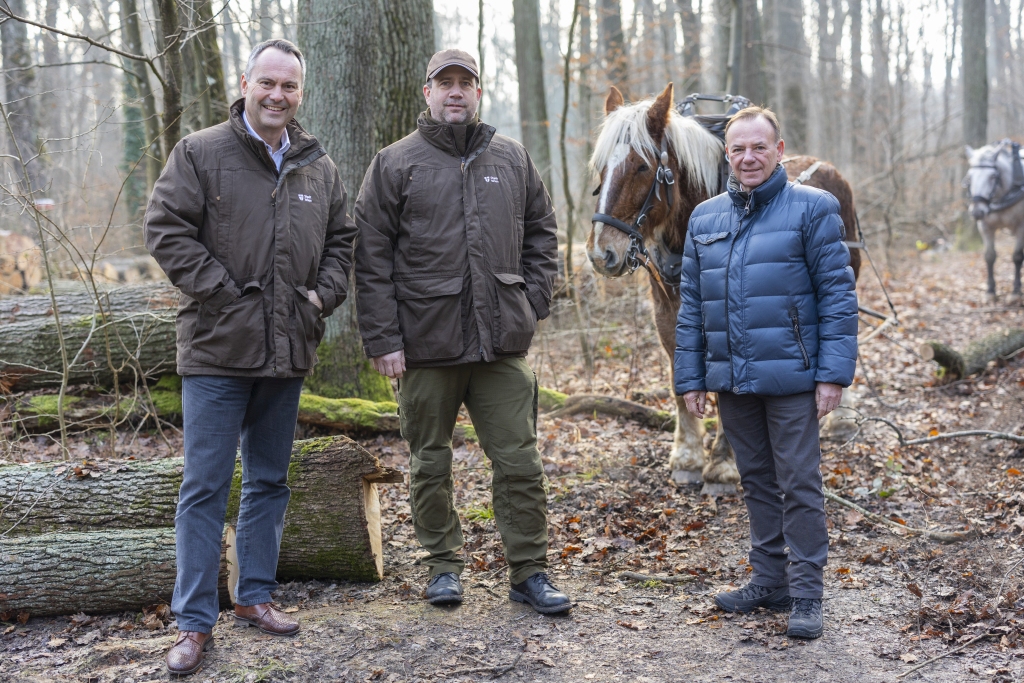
column 720, row 473
column 1018, row 260
column 840, row 424
column 687, row 457
column 989, row 238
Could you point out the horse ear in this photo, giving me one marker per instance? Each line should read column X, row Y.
column 657, row 115
column 969, row 150
column 613, row 101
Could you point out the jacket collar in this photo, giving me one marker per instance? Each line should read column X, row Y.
column 760, row 195
column 444, row 135
column 301, row 141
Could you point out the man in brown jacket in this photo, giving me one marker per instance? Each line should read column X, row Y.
column 455, row 262
column 248, row 221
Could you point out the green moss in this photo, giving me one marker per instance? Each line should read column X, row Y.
column 310, row 446
column 168, row 383
column 357, row 412
column 343, row 372
column 468, row 432
column 167, row 403
column 549, row 399
column 44, row 408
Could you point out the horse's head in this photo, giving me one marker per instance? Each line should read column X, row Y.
column 636, row 141
column 988, row 176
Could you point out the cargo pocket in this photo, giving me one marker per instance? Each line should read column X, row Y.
column 514, row 321
column 235, row 336
column 307, row 329
column 430, row 317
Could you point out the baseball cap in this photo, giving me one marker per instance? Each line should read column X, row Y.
column 451, row 57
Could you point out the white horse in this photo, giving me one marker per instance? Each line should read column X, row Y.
column 995, row 180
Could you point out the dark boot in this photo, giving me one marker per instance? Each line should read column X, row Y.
column 805, row 620
column 538, row 592
column 752, row 596
column 444, row 589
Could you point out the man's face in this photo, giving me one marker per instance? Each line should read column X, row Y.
column 274, row 93
column 453, row 95
column 753, row 152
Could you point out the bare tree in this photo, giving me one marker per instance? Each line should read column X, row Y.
column 689, row 15
column 19, row 81
column 975, row 73
column 533, row 111
column 407, row 43
column 613, row 43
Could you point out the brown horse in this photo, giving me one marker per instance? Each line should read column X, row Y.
column 650, row 157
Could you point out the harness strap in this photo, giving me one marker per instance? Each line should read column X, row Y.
column 806, row 175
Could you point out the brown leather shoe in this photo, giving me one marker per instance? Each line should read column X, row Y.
column 186, row 655
column 267, row 619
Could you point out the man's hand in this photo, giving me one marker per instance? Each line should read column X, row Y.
column 827, row 397
column 314, row 299
column 695, row 401
column 390, row 365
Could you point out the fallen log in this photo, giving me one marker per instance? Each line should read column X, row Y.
column 956, row 365
column 617, row 407
column 137, row 327
column 51, row 514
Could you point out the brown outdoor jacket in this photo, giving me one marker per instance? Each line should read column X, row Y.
column 244, row 243
column 456, row 253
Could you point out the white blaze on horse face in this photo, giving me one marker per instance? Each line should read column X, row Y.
column 617, row 159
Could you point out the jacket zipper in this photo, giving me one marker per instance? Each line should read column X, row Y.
column 728, row 267
column 313, row 156
column 799, row 339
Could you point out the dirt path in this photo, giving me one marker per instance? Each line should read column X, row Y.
column 612, row 508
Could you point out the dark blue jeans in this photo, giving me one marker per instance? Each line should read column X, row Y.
column 217, row 411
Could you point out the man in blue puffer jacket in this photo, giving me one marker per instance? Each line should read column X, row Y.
column 769, row 321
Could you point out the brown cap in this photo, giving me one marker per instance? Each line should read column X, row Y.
column 451, row 57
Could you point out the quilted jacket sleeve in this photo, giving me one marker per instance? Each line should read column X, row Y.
column 828, row 261
column 689, row 357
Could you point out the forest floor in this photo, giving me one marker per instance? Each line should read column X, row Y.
column 892, row 601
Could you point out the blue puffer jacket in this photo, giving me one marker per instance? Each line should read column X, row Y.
column 769, row 301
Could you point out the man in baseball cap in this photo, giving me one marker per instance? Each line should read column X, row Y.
column 457, row 255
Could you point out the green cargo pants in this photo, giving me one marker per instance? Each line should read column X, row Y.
column 501, row 397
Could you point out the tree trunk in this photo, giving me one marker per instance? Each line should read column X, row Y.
column 135, row 192
column 19, row 82
column 133, row 298
column 752, row 76
column 133, row 43
column 533, row 111
column 976, row 356
column 211, row 70
column 169, row 41
column 975, row 74
column 407, row 42
column 616, row 59
column 690, row 19
column 857, row 90
column 109, row 536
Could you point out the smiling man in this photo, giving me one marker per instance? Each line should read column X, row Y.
column 769, row 321
column 456, row 257
column 248, row 221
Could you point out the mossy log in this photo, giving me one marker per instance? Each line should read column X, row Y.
column 618, row 407
column 977, row 355
column 53, row 513
column 138, row 329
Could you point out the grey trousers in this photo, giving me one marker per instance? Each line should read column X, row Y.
column 778, row 455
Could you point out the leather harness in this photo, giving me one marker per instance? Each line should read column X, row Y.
column 1014, row 193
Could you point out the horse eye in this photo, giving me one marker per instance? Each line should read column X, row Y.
column 597, row 191
column 643, row 169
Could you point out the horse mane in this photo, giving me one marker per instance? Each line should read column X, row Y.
column 698, row 151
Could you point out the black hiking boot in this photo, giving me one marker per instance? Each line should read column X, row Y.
column 752, row 596
column 538, row 592
column 805, row 620
column 444, row 589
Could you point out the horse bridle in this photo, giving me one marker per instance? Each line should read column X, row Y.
column 637, row 250
column 1013, row 194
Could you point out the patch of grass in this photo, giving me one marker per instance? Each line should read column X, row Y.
column 271, row 670
column 478, row 514
column 651, row 583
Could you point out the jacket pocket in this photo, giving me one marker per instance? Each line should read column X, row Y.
column 235, row 336
column 710, row 238
column 795, row 317
column 307, row 329
column 430, row 317
column 514, row 320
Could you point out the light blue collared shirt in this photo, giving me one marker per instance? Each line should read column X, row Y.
column 277, row 156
